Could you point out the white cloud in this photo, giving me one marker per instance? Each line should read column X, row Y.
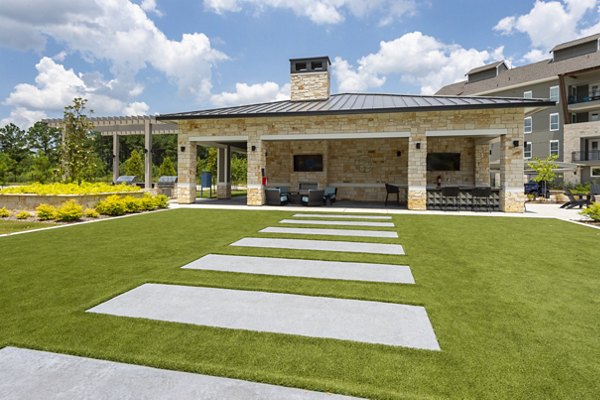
column 150, row 6
column 55, row 87
column 116, row 31
column 417, row 59
column 549, row 23
column 23, row 118
column 322, row 11
column 136, row 108
column 251, row 94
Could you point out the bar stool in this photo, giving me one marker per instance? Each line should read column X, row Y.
column 450, row 196
column 481, row 195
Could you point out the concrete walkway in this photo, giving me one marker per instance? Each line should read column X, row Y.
column 38, row 375
column 330, row 232
column 322, row 317
column 304, row 268
column 337, row 223
column 321, row 245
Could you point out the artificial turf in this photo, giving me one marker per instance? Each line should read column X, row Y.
column 514, row 303
column 10, row 226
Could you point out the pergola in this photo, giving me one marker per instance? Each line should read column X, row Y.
column 126, row 126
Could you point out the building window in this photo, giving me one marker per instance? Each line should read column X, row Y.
column 594, row 116
column 595, row 171
column 554, row 147
column 554, row 94
column 554, row 121
column 528, row 94
column 527, row 125
column 527, row 152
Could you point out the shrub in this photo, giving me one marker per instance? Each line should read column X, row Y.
column 161, row 201
column 593, row 211
column 22, row 215
column 112, row 205
column 147, row 202
column 69, row 211
column 69, row 188
column 132, row 204
column 4, row 213
column 46, row 212
column 91, row 213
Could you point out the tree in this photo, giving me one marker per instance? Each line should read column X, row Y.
column 77, row 150
column 13, row 142
column 167, row 168
column 7, row 165
column 45, row 139
column 239, row 168
column 41, row 170
column 134, row 165
column 208, row 163
column 545, row 170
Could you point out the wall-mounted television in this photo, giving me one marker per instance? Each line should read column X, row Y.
column 308, row 162
column 443, row 162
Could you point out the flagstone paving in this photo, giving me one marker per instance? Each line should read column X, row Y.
column 330, row 232
column 340, row 223
column 342, row 216
column 355, row 320
column 305, row 268
column 321, row 245
column 39, row 375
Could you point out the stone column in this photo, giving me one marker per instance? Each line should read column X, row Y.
column 257, row 161
column 147, row 155
column 186, row 171
column 482, row 164
column 224, row 172
column 116, row 150
column 417, row 171
column 512, row 195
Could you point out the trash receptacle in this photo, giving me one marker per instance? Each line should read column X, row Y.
column 205, row 182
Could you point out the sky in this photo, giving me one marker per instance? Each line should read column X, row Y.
column 147, row 57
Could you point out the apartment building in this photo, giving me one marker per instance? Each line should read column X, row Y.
column 571, row 128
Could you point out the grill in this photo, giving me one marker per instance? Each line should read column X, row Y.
column 166, row 184
column 126, row 179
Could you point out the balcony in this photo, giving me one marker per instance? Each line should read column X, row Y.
column 591, row 155
column 587, row 103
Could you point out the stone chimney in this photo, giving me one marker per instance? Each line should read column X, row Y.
column 309, row 78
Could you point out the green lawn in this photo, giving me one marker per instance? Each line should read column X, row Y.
column 515, row 304
column 11, row 226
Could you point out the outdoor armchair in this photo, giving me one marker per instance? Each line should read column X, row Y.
column 274, row 197
column 314, row 198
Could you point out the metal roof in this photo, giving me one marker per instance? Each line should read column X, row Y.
column 359, row 103
column 576, row 42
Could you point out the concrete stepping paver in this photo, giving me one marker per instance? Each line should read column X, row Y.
column 323, row 245
column 330, row 232
column 340, row 223
column 342, row 216
column 39, row 375
column 305, row 268
column 322, row 317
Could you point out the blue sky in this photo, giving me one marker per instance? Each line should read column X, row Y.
column 130, row 57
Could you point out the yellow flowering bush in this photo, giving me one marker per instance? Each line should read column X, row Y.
column 593, row 211
column 69, row 211
column 117, row 205
column 91, row 213
column 46, row 212
column 22, row 215
column 4, row 213
column 68, row 188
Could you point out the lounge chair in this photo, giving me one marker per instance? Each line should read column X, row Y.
column 392, row 189
column 314, row 198
column 573, row 202
column 329, row 194
column 274, row 197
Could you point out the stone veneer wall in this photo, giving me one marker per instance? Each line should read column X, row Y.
column 573, row 134
column 357, row 167
column 463, row 145
column 417, row 123
column 309, row 86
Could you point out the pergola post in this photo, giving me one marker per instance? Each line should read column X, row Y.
column 256, row 168
column 224, row 172
column 482, row 164
column 147, row 154
column 115, row 156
